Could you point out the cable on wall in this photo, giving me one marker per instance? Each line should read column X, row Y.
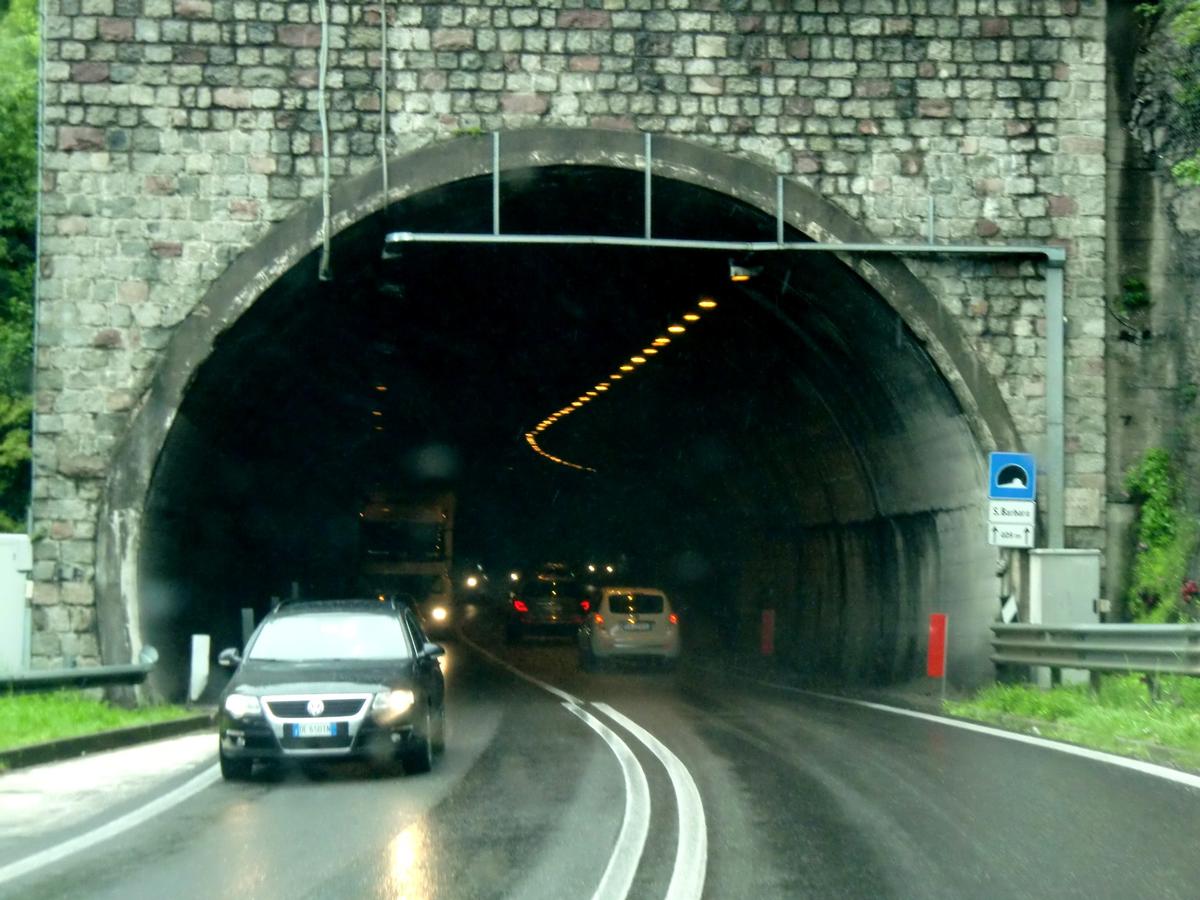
column 383, row 97
column 324, row 272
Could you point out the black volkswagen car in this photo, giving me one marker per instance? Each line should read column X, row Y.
column 323, row 679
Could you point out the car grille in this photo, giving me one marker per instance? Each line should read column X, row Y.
column 298, row 709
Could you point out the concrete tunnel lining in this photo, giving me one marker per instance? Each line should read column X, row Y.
column 983, row 414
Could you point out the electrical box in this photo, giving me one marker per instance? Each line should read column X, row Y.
column 16, row 562
column 1064, row 589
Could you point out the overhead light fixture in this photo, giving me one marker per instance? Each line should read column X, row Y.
column 676, row 329
column 592, row 394
column 626, row 368
column 637, row 360
column 381, row 387
column 576, row 403
column 691, row 317
column 661, row 341
column 707, row 303
column 376, row 412
column 616, row 376
column 740, row 270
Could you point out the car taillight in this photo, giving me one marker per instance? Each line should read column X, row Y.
column 584, row 605
column 599, row 619
column 673, row 619
column 519, row 606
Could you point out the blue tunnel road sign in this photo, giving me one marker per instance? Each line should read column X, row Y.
column 1012, row 476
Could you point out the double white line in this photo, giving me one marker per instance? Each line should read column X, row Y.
column 691, row 850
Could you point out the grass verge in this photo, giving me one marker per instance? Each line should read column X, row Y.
column 1120, row 717
column 35, row 718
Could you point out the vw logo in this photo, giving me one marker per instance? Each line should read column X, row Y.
column 315, row 706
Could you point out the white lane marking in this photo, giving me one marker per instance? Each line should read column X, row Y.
column 1146, row 768
column 631, row 841
column 691, row 852
column 557, row 692
column 110, row 829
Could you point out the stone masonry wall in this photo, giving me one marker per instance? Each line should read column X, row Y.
column 178, row 131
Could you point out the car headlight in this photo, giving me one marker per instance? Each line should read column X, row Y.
column 393, row 703
column 241, row 705
column 439, row 614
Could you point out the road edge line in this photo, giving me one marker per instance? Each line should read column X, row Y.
column 557, row 692
column 111, row 829
column 635, row 826
column 1146, row 768
column 691, row 852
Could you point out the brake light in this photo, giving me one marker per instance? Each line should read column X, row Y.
column 599, row 619
column 673, row 619
column 584, row 605
column 519, row 606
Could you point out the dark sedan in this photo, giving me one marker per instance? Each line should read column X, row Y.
column 546, row 606
column 333, row 679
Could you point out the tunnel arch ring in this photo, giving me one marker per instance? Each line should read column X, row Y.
column 441, row 164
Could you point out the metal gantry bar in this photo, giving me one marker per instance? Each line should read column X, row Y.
column 1051, row 254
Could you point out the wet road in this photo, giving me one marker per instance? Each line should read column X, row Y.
column 797, row 797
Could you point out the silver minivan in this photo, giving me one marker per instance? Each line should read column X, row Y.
column 629, row 622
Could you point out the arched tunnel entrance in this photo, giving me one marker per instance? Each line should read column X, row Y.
column 796, row 448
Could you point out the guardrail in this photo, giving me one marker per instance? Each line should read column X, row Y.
column 92, row 676
column 1154, row 649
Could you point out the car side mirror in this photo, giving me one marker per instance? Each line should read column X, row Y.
column 432, row 649
column 229, row 658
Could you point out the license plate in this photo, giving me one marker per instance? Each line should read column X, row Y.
column 314, row 729
column 637, row 626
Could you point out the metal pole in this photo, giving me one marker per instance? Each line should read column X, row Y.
column 929, row 221
column 946, row 661
column 648, row 208
column 1055, row 462
column 495, row 183
column 779, row 210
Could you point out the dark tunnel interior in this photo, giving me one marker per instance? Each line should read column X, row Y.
column 795, row 448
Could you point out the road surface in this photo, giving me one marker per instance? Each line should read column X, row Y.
column 560, row 784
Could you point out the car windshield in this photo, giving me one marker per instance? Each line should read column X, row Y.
column 636, row 604
column 331, row 636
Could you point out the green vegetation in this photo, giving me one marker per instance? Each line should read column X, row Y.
column 1134, row 294
column 34, row 718
column 18, row 212
column 1167, row 538
column 1182, row 19
column 1121, row 717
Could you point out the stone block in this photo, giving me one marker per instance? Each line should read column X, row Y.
column 80, row 137
column 295, row 35
column 111, row 29
column 1084, row 507
column 534, row 104
column 46, row 593
column 78, row 593
column 584, row 18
